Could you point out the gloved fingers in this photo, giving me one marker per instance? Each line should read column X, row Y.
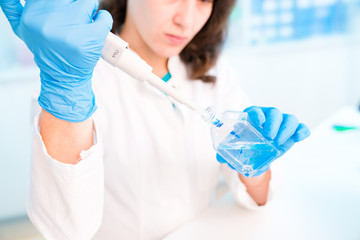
column 87, row 9
column 96, row 32
column 102, row 24
column 220, row 159
column 287, row 145
column 95, row 9
column 256, row 115
column 301, row 133
column 273, row 120
column 53, row 3
column 13, row 11
column 287, row 129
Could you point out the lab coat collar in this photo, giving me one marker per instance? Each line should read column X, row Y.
column 176, row 67
column 177, row 70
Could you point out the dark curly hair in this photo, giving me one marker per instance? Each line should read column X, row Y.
column 201, row 54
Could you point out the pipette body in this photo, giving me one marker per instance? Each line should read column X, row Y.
column 116, row 52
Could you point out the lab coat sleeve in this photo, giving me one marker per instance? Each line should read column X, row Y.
column 65, row 201
column 233, row 97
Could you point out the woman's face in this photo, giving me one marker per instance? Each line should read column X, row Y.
column 167, row 26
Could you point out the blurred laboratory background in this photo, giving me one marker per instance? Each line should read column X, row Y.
column 301, row 56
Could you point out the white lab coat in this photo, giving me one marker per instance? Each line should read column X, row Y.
column 152, row 166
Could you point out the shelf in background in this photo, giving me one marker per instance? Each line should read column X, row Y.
column 292, row 47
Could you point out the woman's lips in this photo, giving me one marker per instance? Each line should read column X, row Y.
column 176, row 39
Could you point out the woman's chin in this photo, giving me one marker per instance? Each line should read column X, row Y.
column 169, row 51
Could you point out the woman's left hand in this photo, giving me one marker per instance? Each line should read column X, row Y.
column 283, row 129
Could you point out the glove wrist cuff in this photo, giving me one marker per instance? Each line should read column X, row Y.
column 75, row 104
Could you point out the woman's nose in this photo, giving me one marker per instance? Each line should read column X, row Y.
column 185, row 13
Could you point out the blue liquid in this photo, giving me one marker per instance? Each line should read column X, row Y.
column 247, row 157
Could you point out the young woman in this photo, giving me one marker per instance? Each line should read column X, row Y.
column 140, row 165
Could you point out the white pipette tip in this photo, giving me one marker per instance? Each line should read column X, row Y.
column 210, row 115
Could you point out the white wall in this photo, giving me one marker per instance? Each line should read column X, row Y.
column 18, row 82
column 16, row 92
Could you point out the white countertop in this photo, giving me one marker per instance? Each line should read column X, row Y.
column 320, row 196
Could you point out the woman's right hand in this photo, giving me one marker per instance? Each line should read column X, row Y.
column 66, row 38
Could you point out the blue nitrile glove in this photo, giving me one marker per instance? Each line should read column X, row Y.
column 66, row 38
column 284, row 129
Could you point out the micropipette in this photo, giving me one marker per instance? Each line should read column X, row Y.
column 116, row 52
